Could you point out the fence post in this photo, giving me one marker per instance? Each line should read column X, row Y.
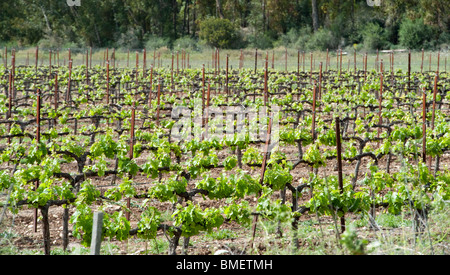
column 97, row 233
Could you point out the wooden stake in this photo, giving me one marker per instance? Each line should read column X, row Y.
column 13, row 70
column 434, row 109
column 377, row 64
column 171, row 73
column 285, row 59
column 69, row 82
column 265, row 82
column 38, row 140
column 429, row 63
column 158, row 101
column 380, row 99
column 409, row 70
column 438, row 59
column 87, row 67
column 9, row 114
column 263, row 170
column 421, row 65
column 206, row 113
column 339, row 163
column 154, row 58
column 107, row 81
column 218, row 60
column 36, row 58
column 424, row 125
column 144, row 64
column 313, row 123
column 56, row 94
column 150, row 89
column 50, row 62
column 6, row 57
column 273, row 60
column 226, row 78
column 10, row 94
column 130, row 153
column 256, row 59
column 320, row 80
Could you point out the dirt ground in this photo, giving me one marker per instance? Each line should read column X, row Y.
column 240, row 241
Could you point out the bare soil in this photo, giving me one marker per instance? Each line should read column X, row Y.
column 238, row 242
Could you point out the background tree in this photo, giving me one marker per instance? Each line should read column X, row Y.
column 314, row 15
column 262, row 23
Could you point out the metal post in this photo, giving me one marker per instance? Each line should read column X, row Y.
column 96, row 239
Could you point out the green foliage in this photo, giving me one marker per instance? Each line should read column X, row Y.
column 154, row 42
column 322, row 40
column 353, row 243
column 224, row 234
column 186, row 43
column 273, row 210
column 148, row 223
column 294, row 38
column 124, row 190
column 82, row 220
column 260, row 41
column 415, row 34
column 277, row 176
column 209, row 167
column 175, row 24
column 328, row 199
column 217, row 32
column 192, row 219
column 88, row 193
column 129, row 40
column 392, row 221
column 240, row 213
column 167, row 191
column 314, row 156
column 374, row 36
column 230, row 162
column 236, row 185
column 116, row 226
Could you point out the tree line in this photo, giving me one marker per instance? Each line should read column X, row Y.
column 307, row 24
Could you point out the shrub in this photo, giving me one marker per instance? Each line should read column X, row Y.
column 260, row 41
column 294, row 38
column 321, row 40
column 186, row 43
column 288, row 39
column 217, row 32
column 374, row 37
column 414, row 34
column 129, row 40
column 154, row 42
column 444, row 39
column 50, row 42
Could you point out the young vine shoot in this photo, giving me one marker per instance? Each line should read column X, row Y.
column 213, row 145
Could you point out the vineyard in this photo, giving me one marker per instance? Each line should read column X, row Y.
column 175, row 153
